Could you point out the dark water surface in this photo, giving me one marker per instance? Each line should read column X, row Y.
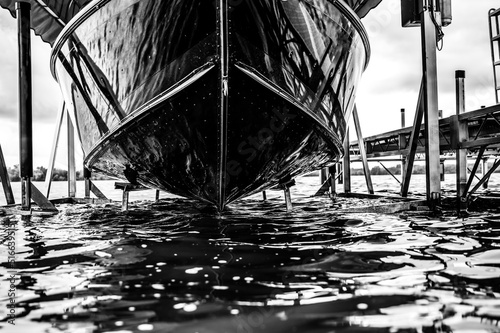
column 176, row 266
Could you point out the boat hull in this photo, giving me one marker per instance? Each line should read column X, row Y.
column 210, row 100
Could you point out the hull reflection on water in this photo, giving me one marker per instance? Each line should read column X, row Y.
column 175, row 266
column 212, row 100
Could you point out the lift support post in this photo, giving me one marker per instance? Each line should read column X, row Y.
column 430, row 104
column 28, row 189
column 23, row 10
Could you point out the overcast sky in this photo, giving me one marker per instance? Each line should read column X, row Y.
column 393, row 77
column 390, row 83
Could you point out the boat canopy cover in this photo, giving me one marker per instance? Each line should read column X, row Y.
column 49, row 17
column 362, row 7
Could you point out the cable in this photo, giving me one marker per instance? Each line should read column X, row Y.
column 439, row 29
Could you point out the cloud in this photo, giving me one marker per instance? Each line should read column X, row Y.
column 393, row 78
column 46, row 93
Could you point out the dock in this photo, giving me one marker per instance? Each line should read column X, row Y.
column 467, row 135
column 463, row 137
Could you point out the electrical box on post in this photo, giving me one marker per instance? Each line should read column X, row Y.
column 410, row 13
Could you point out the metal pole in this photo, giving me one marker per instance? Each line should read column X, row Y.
column 485, row 171
column 87, row 174
column 485, row 178
column 288, row 199
column 347, row 164
column 473, row 171
column 340, row 171
column 430, row 104
column 5, row 181
column 493, row 23
column 125, row 197
column 53, row 153
column 323, row 175
column 402, row 145
column 441, row 171
column 362, row 151
column 462, row 132
column 417, row 123
column 23, row 10
column 332, row 170
column 71, row 159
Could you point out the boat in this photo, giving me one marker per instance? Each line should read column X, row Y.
column 212, row 100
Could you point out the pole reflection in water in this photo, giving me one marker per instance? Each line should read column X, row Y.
column 176, row 266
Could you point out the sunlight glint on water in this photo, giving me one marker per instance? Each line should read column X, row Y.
column 175, row 266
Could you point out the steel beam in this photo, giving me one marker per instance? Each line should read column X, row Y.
column 481, row 142
column 41, row 200
column 362, row 151
column 389, row 172
column 53, row 152
column 473, row 171
column 485, row 178
column 328, row 185
column 4, row 179
column 430, row 104
column 94, row 189
column 413, row 144
column 484, row 170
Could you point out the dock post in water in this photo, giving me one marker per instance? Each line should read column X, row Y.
column 90, row 187
column 347, row 164
column 323, row 175
column 71, row 158
column 461, row 134
column 286, row 184
column 402, row 143
column 333, row 180
column 87, row 174
column 125, row 198
column 23, row 10
column 288, row 199
column 430, row 104
column 340, row 171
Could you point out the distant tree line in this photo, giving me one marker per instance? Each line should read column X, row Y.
column 417, row 170
column 40, row 173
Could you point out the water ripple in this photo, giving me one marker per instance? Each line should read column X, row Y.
column 176, row 266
